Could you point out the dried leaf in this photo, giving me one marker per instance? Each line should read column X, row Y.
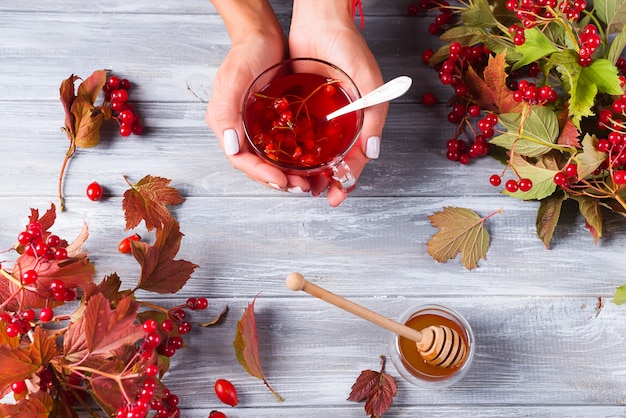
column 88, row 120
column 160, row 273
column 589, row 207
column 490, row 91
column 217, row 319
column 548, row 216
column 91, row 87
column 462, row 231
column 67, row 95
column 147, row 200
column 377, row 389
column 590, row 159
column 247, row 346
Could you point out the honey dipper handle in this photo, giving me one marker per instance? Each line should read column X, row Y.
column 295, row 281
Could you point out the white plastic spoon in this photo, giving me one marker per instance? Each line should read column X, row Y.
column 388, row 91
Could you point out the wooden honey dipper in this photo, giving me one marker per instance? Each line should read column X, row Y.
column 438, row 345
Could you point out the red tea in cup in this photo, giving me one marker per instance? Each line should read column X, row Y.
column 285, row 118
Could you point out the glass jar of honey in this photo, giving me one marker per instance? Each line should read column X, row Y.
column 409, row 362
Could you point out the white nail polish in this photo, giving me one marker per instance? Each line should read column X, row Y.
column 231, row 142
column 297, row 189
column 372, row 149
column 274, row 185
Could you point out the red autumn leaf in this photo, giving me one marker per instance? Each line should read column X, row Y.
column 247, row 346
column 569, row 133
column 103, row 331
column 38, row 405
column 377, row 389
column 147, row 200
column 43, row 348
column 46, row 220
column 160, row 273
column 490, row 91
column 107, row 391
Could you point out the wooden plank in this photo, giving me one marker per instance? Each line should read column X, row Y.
column 169, row 57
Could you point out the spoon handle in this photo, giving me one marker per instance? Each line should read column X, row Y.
column 295, row 281
column 388, row 91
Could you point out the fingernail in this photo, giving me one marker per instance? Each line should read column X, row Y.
column 372, row 149
column 231, row 142
column 296, row 189
column 274, row 185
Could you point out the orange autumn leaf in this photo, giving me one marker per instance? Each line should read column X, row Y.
column 38, row 405
column 247, row 346
column 490, row 91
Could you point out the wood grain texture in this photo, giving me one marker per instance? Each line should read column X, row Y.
column 549, row 342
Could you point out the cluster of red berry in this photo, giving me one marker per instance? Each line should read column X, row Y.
column 165, row 406
column 530, row 93
column 463, row 110
column 164, row 338
column 589, row 40
column 534, row 12
column 50, row 248
column 116, row 94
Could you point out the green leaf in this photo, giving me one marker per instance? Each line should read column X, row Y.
column 465, row 35
column 539, row 130
column 537, row 46
column 619, row 298
column 612, row 13
column 590, row 159
column 617, row 47
column 600, row 76
column 479, row 14
column 542, row 178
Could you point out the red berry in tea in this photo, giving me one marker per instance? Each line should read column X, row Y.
column 287, row 125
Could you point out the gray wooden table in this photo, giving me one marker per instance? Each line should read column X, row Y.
column 549, row 342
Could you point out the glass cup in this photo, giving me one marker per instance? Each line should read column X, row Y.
column 284, row 120
column 408, row 361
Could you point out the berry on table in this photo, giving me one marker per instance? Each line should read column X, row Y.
column 95, row 191
column 226, row 392
column 429, row 99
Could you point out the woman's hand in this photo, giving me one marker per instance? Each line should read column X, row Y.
column 257, row 43
column 325, row 29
